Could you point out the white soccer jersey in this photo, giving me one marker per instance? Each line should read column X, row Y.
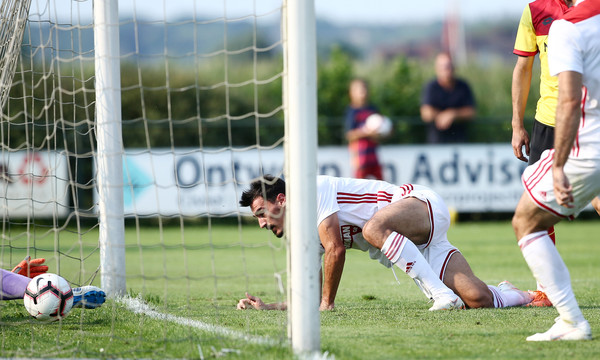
column 356, row 200
column 574, row 45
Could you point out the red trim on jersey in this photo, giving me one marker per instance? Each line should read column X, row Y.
column 525, row 53
column 371, row 198
column 383, row 196
column 583, row 11
column 406, row 189
column 445, row 264
column 395, row 247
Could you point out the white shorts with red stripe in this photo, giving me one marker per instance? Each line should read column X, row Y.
column 438, row 250
column 583, row 174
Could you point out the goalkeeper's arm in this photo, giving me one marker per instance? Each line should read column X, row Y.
column 13, row 283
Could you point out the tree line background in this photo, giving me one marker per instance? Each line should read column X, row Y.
column 213, row 105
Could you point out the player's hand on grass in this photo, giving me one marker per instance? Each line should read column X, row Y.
column 251, row 301
column 30, row 268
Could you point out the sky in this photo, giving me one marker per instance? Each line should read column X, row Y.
column 339, row 11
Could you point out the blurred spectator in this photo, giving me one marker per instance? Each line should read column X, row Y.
column 447, row 104
column 362, row 143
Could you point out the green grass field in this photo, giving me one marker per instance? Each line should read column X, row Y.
column 194, row 277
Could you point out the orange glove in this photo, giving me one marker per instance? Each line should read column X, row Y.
column 30, row 268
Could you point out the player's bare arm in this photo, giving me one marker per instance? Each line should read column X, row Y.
column 521, row 83
column 333, row 261
column 568, row 115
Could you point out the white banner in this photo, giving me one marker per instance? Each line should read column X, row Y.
column 192, row 183
column 33, row 184
column 471, row 178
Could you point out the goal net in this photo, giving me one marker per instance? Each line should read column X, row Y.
column 200, row 87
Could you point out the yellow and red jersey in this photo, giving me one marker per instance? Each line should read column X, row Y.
column 532, row 37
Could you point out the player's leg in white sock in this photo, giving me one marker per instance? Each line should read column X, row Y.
column 505, row 296
column 551, row 272
column 403, row 253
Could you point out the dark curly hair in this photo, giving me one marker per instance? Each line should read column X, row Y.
column 267, row 187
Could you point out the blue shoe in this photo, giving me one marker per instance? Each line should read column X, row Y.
column 89, row 297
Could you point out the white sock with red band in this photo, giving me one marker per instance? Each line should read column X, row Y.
column 508, row 297
column 404, row 254
column 551, row 272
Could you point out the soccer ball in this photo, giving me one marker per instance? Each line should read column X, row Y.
column 381, row 124
column 48, row 297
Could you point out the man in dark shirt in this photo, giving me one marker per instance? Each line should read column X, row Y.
column 447, row 104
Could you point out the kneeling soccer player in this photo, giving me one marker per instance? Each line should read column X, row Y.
column 398, row 225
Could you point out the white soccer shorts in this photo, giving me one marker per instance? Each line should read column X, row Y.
column 438, row 250
column 583, row 174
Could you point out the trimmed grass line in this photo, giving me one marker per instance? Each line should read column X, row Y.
column 138, row 306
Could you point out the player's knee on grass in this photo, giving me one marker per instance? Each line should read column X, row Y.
column 477, row 297
column 473, row 292
column 460, row 278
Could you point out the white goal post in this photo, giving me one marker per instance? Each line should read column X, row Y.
column 301, row 165
column 110, row 147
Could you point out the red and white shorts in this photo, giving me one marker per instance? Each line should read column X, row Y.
column 583, row 174
column 438, row 250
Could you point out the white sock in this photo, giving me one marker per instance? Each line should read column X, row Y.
column 404, row 254
column 551, row 273
column 508, row 297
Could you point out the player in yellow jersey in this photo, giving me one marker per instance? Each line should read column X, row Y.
column 531, row 39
